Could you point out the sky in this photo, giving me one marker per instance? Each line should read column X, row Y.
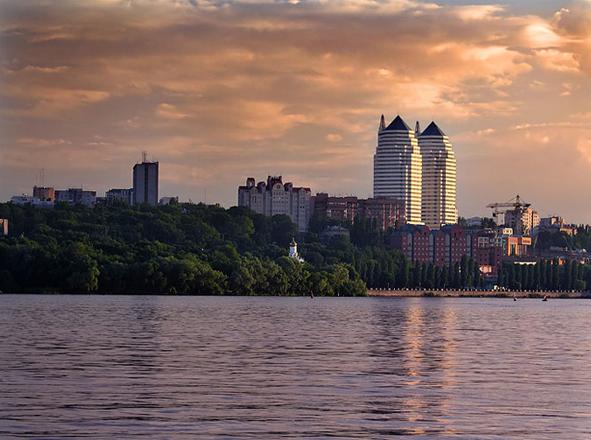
column 218, row 91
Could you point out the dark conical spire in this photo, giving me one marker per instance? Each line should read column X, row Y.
column 417, row 128
column 398, row 124
column 432, row 130
column 382, row 123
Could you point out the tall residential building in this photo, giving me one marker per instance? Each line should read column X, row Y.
column 274, row 197
column 523, row 220
column 398, row 167
column 3, row 226
column 145, row 183
column 438, row 201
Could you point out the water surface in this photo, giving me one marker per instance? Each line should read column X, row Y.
column 223, row 367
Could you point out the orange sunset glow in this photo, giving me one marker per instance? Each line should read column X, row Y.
column 219, row 91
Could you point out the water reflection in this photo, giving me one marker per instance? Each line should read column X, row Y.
column 173, row 367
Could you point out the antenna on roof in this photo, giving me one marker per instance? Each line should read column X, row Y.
column 144, row 156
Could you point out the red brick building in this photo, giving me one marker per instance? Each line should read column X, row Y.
column 388, row 212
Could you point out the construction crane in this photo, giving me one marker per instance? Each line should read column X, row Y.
column 514, row 203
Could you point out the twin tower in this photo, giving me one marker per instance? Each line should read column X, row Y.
column 418, row 168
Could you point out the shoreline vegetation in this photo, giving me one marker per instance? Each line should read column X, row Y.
column 452, row 293
column 197, row 249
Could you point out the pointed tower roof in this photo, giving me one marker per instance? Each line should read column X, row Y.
column 382, row 123
column 398, row 124
column 432, row 130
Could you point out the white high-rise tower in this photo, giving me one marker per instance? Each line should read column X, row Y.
column 397, row 167
column 439, row 178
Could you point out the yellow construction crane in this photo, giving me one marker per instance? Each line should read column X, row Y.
column 514, row 203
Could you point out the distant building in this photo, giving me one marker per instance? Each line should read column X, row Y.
column 331, row 232
column 556, row 223
column 398, row 167
column 438, row 198
column 145, row 183
column 3, row 226
column 274, row 197
column 124, row 195
column 474, row 222
column 523, row 220
column 168, row 200
column 447, row 245
column 44, row 193
column 30, row 200
column 76, row 196
column 335, row 208
column 387, row 211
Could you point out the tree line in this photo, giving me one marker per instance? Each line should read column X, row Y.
column 544, row 275
column 176, row 249
column 199, row 249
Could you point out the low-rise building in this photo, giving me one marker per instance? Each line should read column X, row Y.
column 556, row 223
column 76, row 196
column 335, row 208
column 25, row 199
column 388, row 212
column 124, row 195
column 447, row 245
column 44, row 193
column 168, row 200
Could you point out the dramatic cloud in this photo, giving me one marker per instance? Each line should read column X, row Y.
column 218, row 91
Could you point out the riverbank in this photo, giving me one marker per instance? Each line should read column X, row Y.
column 409, row 293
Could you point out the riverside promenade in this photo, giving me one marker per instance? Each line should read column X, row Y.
column 451, row 293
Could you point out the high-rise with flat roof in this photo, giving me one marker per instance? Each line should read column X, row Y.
column 438, row 198
column 398, row 167
column 145, row 183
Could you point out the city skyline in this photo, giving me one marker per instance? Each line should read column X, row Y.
column 509, row 84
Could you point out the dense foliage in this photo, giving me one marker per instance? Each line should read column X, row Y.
column 382, row 267
column 199, row 249
column 545, row 275
column 549, row 238
column 178, row 249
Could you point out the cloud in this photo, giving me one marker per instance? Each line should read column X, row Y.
column 221, row 90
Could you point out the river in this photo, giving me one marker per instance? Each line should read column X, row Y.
column 120, row 367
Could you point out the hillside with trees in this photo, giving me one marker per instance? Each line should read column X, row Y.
column 199, row 249
column 176, row 249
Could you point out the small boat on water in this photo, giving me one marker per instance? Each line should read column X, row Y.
column 545, row 298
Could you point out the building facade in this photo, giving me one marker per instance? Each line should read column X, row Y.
column 447, row 245
column 335, row 208
column 3, row 226
column 44, row 193
column 145, row 183
column 388, row 212
column 124, row 195
column 438, row 197
column 398, row 167
column 75, row 196
column 273, row 197
column 523, row 220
